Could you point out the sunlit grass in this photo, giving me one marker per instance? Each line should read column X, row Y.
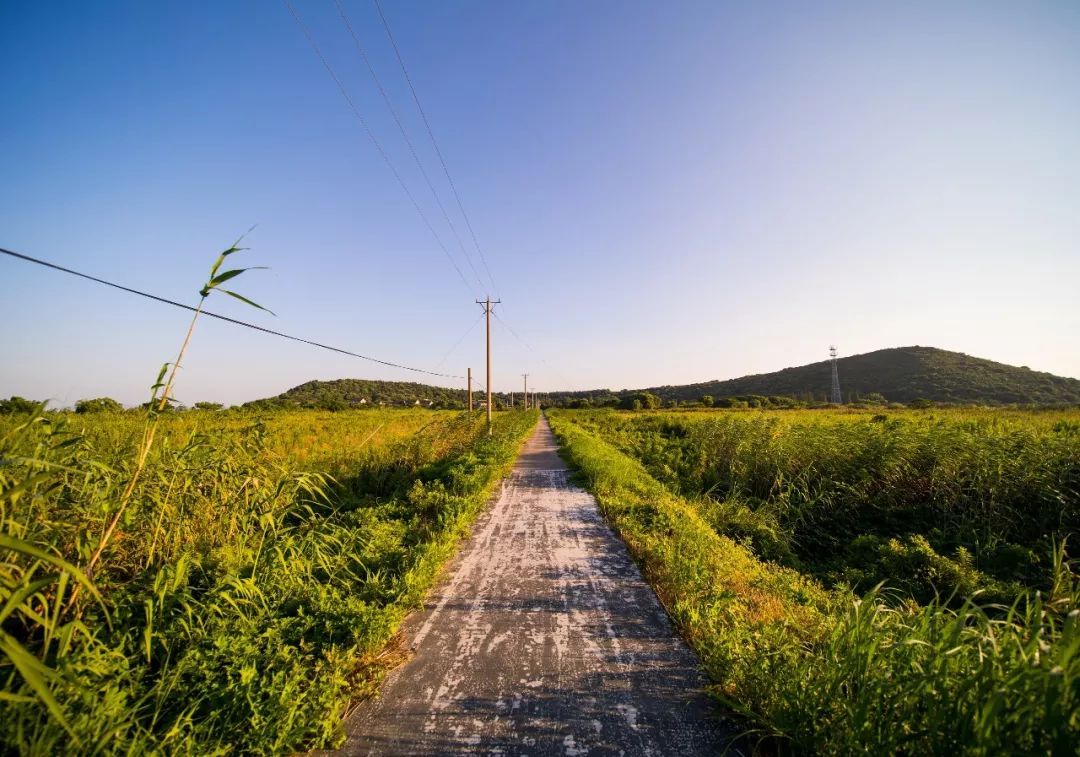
column 257, row 572
column 241, row 574
column 735, row 517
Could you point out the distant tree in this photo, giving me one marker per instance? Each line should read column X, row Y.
column 920, row 404
column 98, row 405
column 874, row 398
column 641, row 401
column 14, row 405
column 208, row 406
column 707, row 400
column 782, row 401
column 263, row 405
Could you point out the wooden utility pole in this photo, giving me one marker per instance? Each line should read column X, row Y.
column 511, row 400
column 487, row 302
column 526, row 395
column 470, row 389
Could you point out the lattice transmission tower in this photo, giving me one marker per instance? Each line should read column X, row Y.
column 834, row 395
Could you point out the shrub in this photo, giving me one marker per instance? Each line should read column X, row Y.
column 99, row 405
column 14, row 405
column 640, row 401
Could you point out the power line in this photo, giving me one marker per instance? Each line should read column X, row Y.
column 529, row 347
column 374, row 140
column 457, row 344
column 405, row 136
column 225, row 318
column 434, row 143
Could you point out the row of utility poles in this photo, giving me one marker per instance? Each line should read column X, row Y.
column 488, row 304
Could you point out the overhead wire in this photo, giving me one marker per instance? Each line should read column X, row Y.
column 374, row 140
column 435, row 144
column 457, row 344
column 405, row 135
column 225, row 318
column 529, row 347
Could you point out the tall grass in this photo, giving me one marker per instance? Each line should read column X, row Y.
column 162, row 395
column 964, row 501
column 251, row 595
column 933, row 679
column 248, row 573
column 814, row 670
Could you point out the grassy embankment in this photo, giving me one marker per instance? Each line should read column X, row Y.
column 254, row 581
column 754, row 528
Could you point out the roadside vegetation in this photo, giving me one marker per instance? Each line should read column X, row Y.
column 253, row 585
column 872, row 582
column 212, row 582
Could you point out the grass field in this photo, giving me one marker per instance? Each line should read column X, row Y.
column 767, row 534
column 252, row 586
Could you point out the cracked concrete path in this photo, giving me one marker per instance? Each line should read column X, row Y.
column 542, row 639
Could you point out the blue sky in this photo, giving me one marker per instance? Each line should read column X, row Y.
column 665, row 192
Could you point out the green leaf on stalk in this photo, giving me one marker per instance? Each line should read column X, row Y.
column 22, row 547
column 15, row 601
column 234, row 248
column 34, row 673
column 160, row 377
column 222, row 278
column 246, row 300
column 222, row 256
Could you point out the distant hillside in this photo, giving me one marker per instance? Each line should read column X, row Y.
column 901, row 374
column 344, row 393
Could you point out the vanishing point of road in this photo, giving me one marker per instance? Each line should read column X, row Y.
column 543, row 639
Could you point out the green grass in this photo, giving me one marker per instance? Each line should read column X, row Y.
column 743, row 523
column 216, row 582
column 957, row 501
column 253, row 585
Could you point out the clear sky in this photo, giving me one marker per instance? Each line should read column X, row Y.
column 665, row 192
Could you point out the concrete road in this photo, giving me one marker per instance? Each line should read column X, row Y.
column 543, row 639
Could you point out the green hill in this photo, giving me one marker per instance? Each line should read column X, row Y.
column 343, row 393
column 901, row 374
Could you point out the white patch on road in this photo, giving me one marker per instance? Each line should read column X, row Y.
column 629, row 713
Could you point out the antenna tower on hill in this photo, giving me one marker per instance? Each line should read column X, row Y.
column 834, row 395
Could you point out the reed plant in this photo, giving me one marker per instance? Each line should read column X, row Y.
column 249, row 570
